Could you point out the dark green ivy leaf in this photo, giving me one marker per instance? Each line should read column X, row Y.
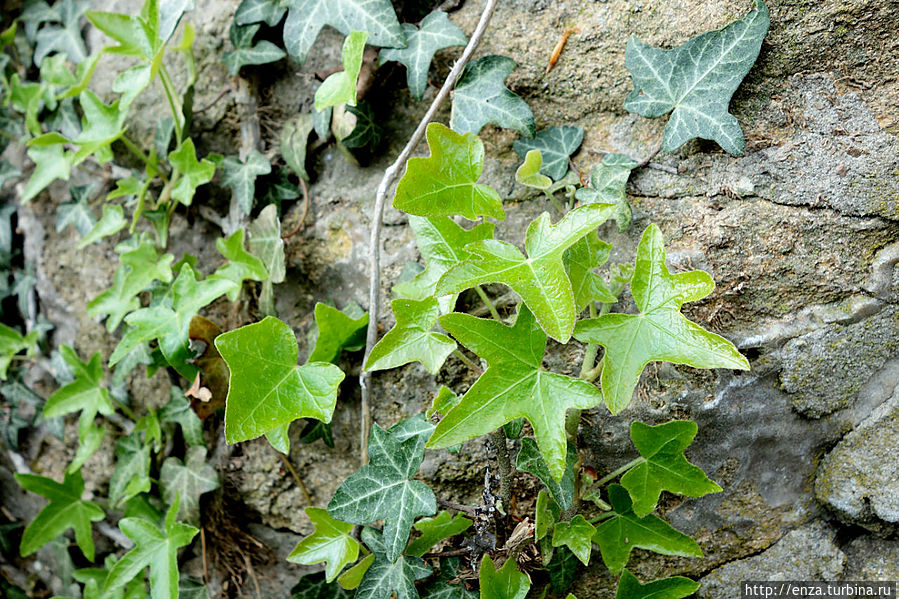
column 67, row 38
column 188, row 480
column 245, row 52
column 132, row 470
column 562, row 569
column 608, row 179
column 269, row 12
column 433, row 530
column 556, row 145
column 314, row 586
column 385, row 576
column 530, row 460
column 76, row 212
column 240, row 176
column 367, row 131
column 481, row 97
column 442, row 589
column 674, row 587
column 178, row 410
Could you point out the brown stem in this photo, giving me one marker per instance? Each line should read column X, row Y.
column 468, row 509
column 220, row 95
column 296, row 477
column 504, row 465
column 305, row 211
column 453, row 553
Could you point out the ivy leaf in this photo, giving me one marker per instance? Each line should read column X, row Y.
column 268, row 389
column 546, row 514
column 35, row 14
column 86, row 394
column 436, row 33
column 563, row 569
column 112, row 221
column 608, row 179
column 156, row 547
column 314, row 586
column 383, row 489
column 188, row 480
column 178, row 410
column 433, row 530
column 674, row 587
column 245, row 53
column 101, row 125
column 481, row 97
column 332, row 543
column 580, row 260
column 445, row 183
column 293, row 140
column 315, row 430
column 11, row 343
column 385, row 576
column 660, row 331
column 266, row 244
column 442, row 589
column 696, row 81
column 529, row 172
column 540, row 278
column 665, row 468
column 445, row 400
column 556, row 145
column 340, row 87
column 367, row 131
column 529, row 460
column 193, row 173
column 617, row 535
column 411, row 339
column 50, row 164
column 65, row 510
column 66, row 39
column 513, row 386
column 132, row 470
column 352, row 578
column 240, row 176
column 337, row 331
column 307, row 17
column 77, row 212
column 241, row 265
column 577, row 535
column 505, row 583
column 269, row 12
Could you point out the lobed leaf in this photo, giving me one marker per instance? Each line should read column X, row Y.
column 411, row 339
column 192, row 173
column 505, row 583
column 386, row 576
column 674, row 587
column 331, row 542
column 531, row 461
column 314, row 586
column 240, row 175
column 433, row 530
column 337, row 331
column 577, row 535
column 241, row 265
column 529, row 172
column 247, row 53
column 556, row 146
column 608, row 179
column 188, row 480
column 481, row 97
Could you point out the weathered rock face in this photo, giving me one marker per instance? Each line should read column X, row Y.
column 800, row 235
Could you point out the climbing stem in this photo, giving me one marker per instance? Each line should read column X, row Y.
column 488, row 302
column 613, row 475
column 504, row 466
column 468, row 361
column 168, row 86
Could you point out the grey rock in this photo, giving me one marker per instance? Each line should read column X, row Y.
column 871, row 558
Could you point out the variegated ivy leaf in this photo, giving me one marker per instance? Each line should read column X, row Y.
column 67, row 38
column 433, row 530
column 529, row 172
column 340, row 87
column 515, row 385
column 608, row 179
column 445, row 183
column 314, row 586
column 556, row 144
column 412, row 338
column 132, row 471
column 660, row 332
column 269, row 12
column 240, row 176
column 481, row 97
column 387, row 576
column 307, row 17
column 332, row 543
column 76, row 212
column 436, row 33
column 266, row 244
column 673, row 587
column 441, row 243
column 247, row 53
column 696, row 81
column 577, row 535
column 505, row 583
column 539, row 278
column 383, row 488
column 188, row 480
column 529, row 460
column 268, row 389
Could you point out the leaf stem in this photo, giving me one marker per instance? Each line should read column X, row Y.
column 487, row 302
column 468, row 361
column 140, row 154
column 169, row 94
column 390, row 177
column 555, row 202
column 296, row 477
column 615, row 474
column 601, row 517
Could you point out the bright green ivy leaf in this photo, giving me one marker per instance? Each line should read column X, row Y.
column 269, row 12
column 86, row 394
column 337, row 331
column 665, row 468
column 132, row 470
column 412, row 338
column 546, row 514
column 240, row 176
column 352, row 578
column 481, row 97
column 50, row 163
column 436, row 33
column 156, row 547
column 314, row 586
column 332, row 543
column 178, row 410
column 530, row 460
column 188, row 480
column 529, row 172
column 608, row 179
column 340, row 87
column 246, row 53
column 112, row 221
column 696, row 81
column 307, row 17
column 577, row 535
column 563, row 569
column 505, row 583
column 556, row 146
column 445, row 400
column 293, row 140
column 268, row 389
column 616, row 536
column 660, row 332
column 580, row 260
column 385, row 576
column 445, row 183
column 433, row 530
column 101, row 125
column 674, row 587
column 65, row 510
column 513, row 386
column 383, row 488
column 539, row 278
column 192, row 173
column 241, row 265
column 266, row 244
column 67, row 38
column 11, row 343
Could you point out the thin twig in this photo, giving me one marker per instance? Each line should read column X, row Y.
column 468, row 509
column 390, row 177
column 468, row 361
column 203, row 547
column 221, row 94
column 296, row 477
column 453, row 553
column 305, row 211
column 504, row 465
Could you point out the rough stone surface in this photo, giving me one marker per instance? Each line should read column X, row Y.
column 870, row 558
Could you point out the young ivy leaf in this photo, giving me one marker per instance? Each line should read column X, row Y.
column 266, row 244
column 269, row 12
column 577, row 535
column 433, row 530
column 245, row 52
column 340, row 87
column 411, row 339
column 696, row 81
column 352, row 578
column 65, row 510
column 307, row 17
column 50, row 164
column 101, row 125
column 436, row 33
column 673, row 587
column 481, row 97
column 529, row 172
column 112, row 221
column 660, row 332
column 383, row 488
column 154, row 547
column 505, row 583
column 608, row 179
column 66, row 39
column 240, row 176
column 540, row 277
column 86, row 394
column 241, row 265
column 268, row 389
column 332, row 543
column 132, row 470
column 665, row 468
column 77, row 212
column 530, row 460
column 337, row 331
column 387, row 576
column 188, row 480
column 556, row 145
column 513, row 386
column 193, row 173
column 445, row 183
column 580, row 260
column 178, row 410
column 546, row 514
column 616, row 536
column 441, row 243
